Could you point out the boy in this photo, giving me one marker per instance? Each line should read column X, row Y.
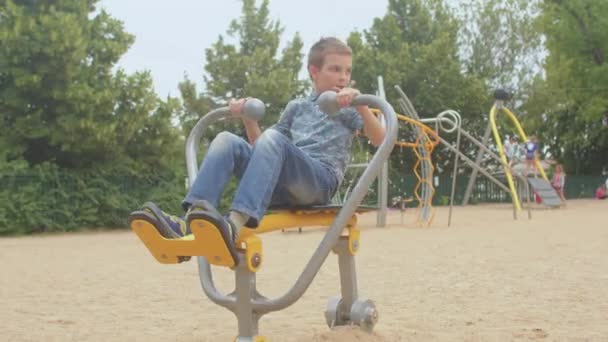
column 298, row 161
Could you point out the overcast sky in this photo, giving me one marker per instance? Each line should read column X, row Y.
column 171, row 36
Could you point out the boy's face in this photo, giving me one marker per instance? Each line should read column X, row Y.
column 333, row 75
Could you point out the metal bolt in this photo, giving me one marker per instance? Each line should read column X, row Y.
column 372, row 315
column 256, row 260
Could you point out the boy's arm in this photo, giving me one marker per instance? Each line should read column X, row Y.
column 372, row 128
column 252, row 128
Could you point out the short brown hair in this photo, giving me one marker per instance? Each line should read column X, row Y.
column 324, row 47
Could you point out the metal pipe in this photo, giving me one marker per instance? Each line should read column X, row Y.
column 455, row 174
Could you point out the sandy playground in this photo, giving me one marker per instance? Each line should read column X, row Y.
column 486, row 278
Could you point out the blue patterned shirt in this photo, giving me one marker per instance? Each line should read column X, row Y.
column 327, row 139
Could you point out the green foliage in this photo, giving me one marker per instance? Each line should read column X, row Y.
column 253, row 66
column 500, row 42
column 194, row 105
column 45, row 198
column 569, row 103
column 415, row 46
column 247, row 63
column 61, row 100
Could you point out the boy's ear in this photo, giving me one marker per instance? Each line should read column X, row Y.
column 313, row 71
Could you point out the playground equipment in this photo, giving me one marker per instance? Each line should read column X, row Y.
column 423, row 168
column 449, row 121
column 426, row 139
column 343, row 237
column 542, row 187
column 423, row 147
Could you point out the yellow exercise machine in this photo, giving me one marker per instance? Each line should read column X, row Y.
column 342, row 237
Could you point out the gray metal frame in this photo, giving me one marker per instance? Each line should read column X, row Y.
column 484, row 141
column 245, row 302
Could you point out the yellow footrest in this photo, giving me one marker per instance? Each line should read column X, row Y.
column 205, row 241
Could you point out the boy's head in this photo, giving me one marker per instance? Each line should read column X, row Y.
column 330, row 63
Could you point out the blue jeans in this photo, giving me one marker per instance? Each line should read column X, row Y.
column 273, row 172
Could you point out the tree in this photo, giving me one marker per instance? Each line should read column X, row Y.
column 500, row 43
column 569, row 103
column 253, row 67
column 60, row 98
column 194, row 105
column 415, row 46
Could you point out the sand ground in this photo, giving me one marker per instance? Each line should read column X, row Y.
column 485, row 278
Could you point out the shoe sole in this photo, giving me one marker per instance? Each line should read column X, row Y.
column 211, row 226
column 152, row 224
column 163, row 228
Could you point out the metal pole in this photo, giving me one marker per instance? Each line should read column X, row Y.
column 484, row 141
column 383, row 175
column 454, row 175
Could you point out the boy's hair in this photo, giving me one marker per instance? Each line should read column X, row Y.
column 324, row 47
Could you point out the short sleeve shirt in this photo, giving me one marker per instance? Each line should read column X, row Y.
column 325, row 138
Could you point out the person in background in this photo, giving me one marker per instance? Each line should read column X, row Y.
column 531, row 153
column 512, row 150
column 559, row 181
column 600, row 192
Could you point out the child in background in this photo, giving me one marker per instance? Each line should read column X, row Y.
column 559, row 181
column 531, row 151
column 600, row 192
column 512, row 151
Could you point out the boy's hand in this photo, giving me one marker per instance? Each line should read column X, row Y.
column 236, row 106
column 346, row 95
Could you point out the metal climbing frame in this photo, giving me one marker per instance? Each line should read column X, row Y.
column 423, row 168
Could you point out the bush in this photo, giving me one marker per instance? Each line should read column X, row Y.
column 44, row 198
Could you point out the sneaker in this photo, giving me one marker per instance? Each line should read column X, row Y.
column 170, row 226
column 227, row 225
column 228, row 231
column 232, row 227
